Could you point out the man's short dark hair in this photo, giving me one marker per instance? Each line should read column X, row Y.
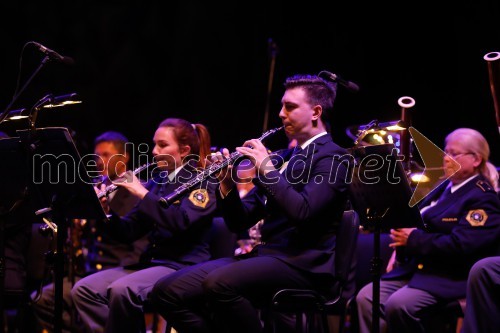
column 317, row 89
column 119, row 140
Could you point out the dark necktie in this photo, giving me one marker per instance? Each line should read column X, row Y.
column 294, row 161
column 446, row 193
column 297, row 150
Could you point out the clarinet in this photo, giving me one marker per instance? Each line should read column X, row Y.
column 113, row 187
column 208, row 172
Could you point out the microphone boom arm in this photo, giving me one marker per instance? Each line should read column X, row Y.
column 5, row 113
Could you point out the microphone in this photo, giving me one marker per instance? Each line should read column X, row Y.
column 351, row 86
column 53, row 54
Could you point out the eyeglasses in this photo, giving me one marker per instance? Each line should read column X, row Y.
column 455, row 155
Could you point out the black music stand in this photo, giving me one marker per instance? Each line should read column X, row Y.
column 380, row 193
column 12, row 202
column 47, row 161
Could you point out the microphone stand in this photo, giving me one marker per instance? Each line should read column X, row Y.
column 3, row 116
column 16, row 96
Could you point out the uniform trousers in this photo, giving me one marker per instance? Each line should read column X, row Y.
column 112, row 300
column 482, row 311
column 401, row 307
column 226, row 295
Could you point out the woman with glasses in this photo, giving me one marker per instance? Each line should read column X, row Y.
column 462, row 218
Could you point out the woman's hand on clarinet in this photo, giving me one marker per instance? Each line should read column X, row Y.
column 224, row 177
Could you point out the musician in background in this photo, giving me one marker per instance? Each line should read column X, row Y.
column 93, row 249
column 105, row 251
column 462, row 220
column 112, row 300
column 301, row 207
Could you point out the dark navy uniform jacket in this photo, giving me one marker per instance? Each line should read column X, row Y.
column 179, row 234
column 301, row 208
column 461, row 229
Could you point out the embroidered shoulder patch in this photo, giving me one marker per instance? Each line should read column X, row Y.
column 199, row 198
column 477, row 217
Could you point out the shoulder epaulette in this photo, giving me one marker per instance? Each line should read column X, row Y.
column 484, row 186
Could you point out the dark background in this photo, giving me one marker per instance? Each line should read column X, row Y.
column 138, row 62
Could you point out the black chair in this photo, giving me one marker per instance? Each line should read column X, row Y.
column 445, row 317
column 308, row 304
